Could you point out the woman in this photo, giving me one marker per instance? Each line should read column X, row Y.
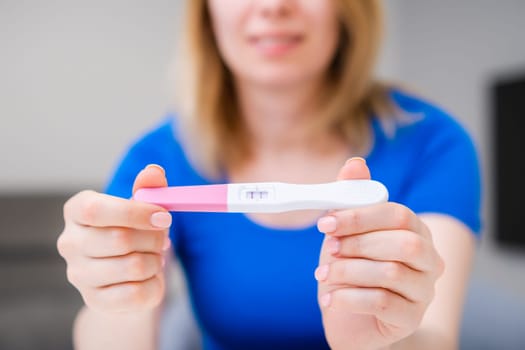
column 282, row 90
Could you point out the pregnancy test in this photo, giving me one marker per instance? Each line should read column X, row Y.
column 265, row 197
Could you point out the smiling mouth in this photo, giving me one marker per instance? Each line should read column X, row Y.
column 275, row 44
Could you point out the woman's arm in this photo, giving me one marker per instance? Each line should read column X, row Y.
column 115, row 252
column 440, row 326
column 381, row 282
column 95, row 330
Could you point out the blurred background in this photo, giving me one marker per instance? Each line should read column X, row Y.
column 80, row 80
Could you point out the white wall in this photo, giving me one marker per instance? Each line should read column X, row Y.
column 389, row 63
column 78, row 80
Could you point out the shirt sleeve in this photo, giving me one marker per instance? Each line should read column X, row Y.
column 447, row 179
column 151, row 148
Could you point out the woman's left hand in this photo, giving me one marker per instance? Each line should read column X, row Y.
column 377, row 271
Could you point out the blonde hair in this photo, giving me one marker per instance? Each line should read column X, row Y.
column 212, row 127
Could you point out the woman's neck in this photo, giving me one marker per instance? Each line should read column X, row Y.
column 277, row 118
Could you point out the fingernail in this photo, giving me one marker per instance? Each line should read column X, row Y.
column 333, row 245
column 321, row 273
column 161, row 219
column 167, row 243
column 156, row 166
column 327, row 224
column 325, row 300
column 163, row 261
column 356, row 158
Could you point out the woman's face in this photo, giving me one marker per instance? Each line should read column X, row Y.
column 275, row 42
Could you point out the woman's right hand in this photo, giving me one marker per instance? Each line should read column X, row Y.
column 114, row 248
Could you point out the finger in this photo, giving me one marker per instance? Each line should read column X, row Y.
column 393, row 276
column 354, row 169
column 151, row 176
column 90, row 208
column 389, row 308
column 135, row 267
column 126, row 297
column 117, row 241
column 401, row 246
column 384, row 216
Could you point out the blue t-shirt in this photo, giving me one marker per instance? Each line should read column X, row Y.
column 253, row 287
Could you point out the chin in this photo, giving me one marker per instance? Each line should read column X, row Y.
column 276, row 78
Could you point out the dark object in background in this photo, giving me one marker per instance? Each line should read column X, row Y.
column 509, row 131
column 37, row 305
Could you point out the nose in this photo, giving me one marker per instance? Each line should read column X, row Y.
column 276, row 8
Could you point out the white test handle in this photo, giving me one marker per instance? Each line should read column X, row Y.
column 273, row 197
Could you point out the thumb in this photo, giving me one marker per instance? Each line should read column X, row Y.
column 152, row 175
column 354, row 169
